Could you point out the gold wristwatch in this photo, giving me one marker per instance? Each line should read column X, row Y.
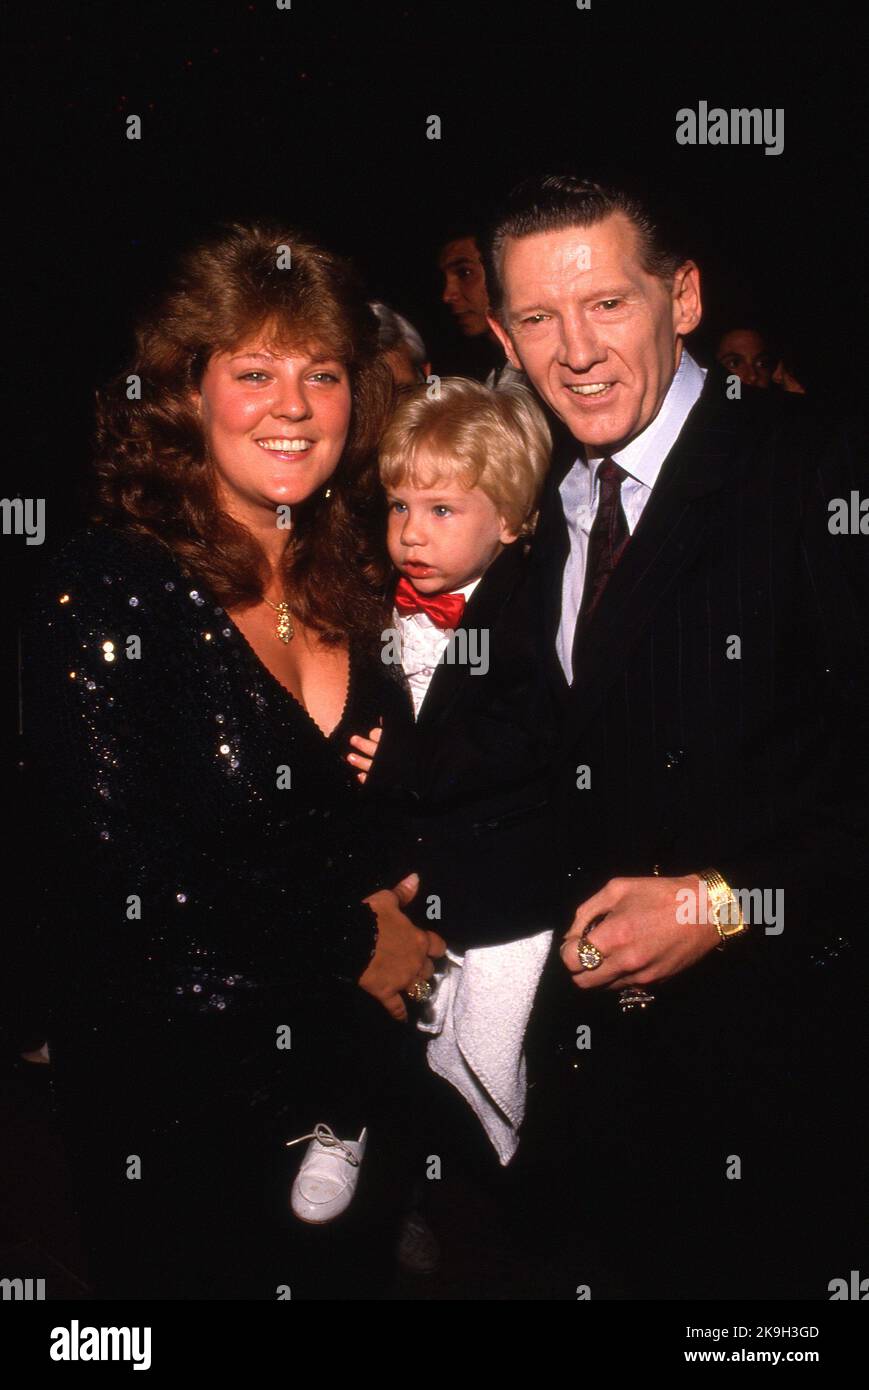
column 724, row 908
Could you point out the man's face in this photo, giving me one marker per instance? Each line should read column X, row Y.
column 743, row 353
column 465, row 291
column 599, row 338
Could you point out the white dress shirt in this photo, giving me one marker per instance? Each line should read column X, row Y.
column 423, row 644
column 641, row 460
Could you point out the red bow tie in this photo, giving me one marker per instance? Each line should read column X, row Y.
column 445, row 610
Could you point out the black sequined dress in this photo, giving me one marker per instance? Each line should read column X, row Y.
column 203, row 850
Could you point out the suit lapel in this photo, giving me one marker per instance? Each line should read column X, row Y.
column 481, row 614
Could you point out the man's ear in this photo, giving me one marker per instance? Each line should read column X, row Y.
column 509, row 533
column 687, row 303
column 505, row 340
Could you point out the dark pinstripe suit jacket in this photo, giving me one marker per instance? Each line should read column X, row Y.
column 749, row 756
column 753, row 764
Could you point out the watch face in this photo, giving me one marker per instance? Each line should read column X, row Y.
column 727, row 914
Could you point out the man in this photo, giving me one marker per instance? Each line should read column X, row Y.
column 704, row 637
column 467, row 298
column 464, row 287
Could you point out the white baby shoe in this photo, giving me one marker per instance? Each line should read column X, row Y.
column 326, row 1181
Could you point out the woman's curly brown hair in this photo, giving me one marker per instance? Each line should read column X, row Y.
column 153, row 469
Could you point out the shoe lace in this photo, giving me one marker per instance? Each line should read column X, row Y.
column 329, row 1140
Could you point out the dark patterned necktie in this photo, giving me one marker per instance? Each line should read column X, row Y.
column 607, row 539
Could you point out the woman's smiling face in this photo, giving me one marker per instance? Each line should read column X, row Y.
column 275, row 424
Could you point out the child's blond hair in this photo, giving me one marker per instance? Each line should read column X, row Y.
column 498, row 441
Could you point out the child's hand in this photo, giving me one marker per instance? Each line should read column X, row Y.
column 367, row 748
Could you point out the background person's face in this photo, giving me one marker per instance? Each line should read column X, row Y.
column 743, row 353
column 598, row 336
column 465, row 291
column 275, row 425
column 442, row 537
column 399, row 361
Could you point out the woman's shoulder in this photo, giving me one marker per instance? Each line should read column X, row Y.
column 113, row 550
column 109, row 569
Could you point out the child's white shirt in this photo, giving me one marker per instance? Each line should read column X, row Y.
column 423, row 644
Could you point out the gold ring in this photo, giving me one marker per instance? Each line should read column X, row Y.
column 588, row 955
column 419, row 991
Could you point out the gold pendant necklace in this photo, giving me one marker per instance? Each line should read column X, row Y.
column 284, row 625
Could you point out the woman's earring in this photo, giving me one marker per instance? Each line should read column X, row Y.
column 328, row 493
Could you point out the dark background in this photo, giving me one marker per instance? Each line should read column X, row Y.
column 317, row 115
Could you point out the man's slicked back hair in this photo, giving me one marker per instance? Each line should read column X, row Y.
column 556, row 202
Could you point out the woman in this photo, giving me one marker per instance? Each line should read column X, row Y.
column 196, row 663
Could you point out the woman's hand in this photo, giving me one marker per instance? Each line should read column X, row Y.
column 403, row 953
column 367, row 748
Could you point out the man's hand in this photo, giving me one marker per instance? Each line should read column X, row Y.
column 367, row 748
column 640, row 937
column 403, row 953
